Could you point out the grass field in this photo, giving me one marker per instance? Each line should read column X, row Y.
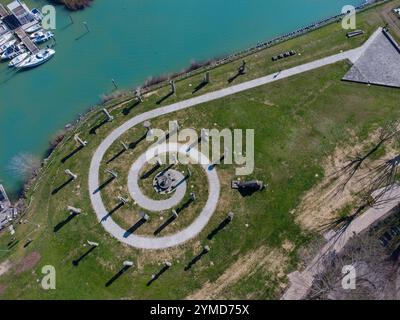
column 298, row 122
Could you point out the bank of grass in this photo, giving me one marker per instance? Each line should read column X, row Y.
column 298, row 122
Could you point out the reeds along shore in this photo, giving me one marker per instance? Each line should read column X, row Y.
column 74, row 4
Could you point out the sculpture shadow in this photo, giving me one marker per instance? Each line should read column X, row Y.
column 59, row 188
column 158, row 275
column 61, row 224
column 120, row 153
column 127, row 110
column 133, row 145
column 247, row 192
column 184, row 206
column 212, row 166
column 104, row 184
column 164, row 225
column 233, row 78
column 113, row 210
column 94, row 129
column 219, row 228
column 70, row 155
column 200, row 86
column 169, row 94
column 76, row 262
column 117, row 275
column 150, row 172
column 185, row 178
column 12, row 244
column 135, row 227
column 28, row 243
column 196, row 259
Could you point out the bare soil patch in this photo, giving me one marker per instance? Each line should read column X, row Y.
column 28, row 262
column 273, row 261
column 324, row 202
column 5, row 266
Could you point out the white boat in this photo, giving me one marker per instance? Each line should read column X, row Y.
column 43, row 38
column 18, row 59
column 8, row 44
column 34, row 28
column 37, row 59
column 38, row 15
column 13, row 51
column 5, row 38
column 36, row 34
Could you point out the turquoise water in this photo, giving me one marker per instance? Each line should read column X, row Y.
column 129, row 41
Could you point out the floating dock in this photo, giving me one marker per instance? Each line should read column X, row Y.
column 21, row 34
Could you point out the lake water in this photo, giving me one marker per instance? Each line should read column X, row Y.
column 129, row 41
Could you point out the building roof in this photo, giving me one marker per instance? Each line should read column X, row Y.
column 380, row 63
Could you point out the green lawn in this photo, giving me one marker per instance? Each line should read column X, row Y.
column 298, row 122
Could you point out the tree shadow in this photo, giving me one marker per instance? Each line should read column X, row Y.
column 59, row 188
column 219, row 228
column 117, row 275
column 158, row 275
column 76, row 262
column 94, row 129
column 196, row 259
column 104, row 184
column 135, row 227
column 70, row 155
column 127, row 110
column 61, row 224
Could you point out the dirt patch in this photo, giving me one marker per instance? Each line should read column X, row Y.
column 5, row 266
column 325, row 201
column 3, row 288
column 272, row 261
column 28, row 262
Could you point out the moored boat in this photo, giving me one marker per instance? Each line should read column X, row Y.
column 38, row 33
column 13, row 51
column 18, row 59
column 5, row 38
column 43, row 38
column 8, row 44
column 37, row 59
column 34, row 28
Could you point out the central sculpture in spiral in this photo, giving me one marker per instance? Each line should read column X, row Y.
column 165, row 182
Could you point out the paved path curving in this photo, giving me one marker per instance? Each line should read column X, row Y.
column 161, row 243
column 133, row 177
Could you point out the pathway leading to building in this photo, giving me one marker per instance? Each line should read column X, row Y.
column 301, row 282
column 174, row 240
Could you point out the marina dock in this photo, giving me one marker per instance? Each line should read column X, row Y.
column 21, row 34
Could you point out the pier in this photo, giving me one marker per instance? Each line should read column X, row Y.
column 21, row 34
